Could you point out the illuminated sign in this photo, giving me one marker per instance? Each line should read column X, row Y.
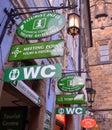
column 88, row 122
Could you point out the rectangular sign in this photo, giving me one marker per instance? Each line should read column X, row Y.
column 71, row 110
column 37, row 50
column 27, row 91
column 13, row 118
column 33, row 72
column 70, row 99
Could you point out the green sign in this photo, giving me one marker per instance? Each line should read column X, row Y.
column 37, row 50
column 71, row 83
column 71, row 110
column 70, row 99
column 27, row 91
column 33, row 72
column 41, row 25
column 13, row 118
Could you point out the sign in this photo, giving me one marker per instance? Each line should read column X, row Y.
column 33, row 72
column 13, row 118
column 37, row 50
column 71, row 110
column 71, row 83
column 70, row 99
column 27, row 91
column 41, row 25
column 47, row 120
column 88, row 122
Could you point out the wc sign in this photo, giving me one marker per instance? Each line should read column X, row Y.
column 33, row 72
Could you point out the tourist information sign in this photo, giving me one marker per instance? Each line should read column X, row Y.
column 33, row 72
column 41, row 25
column 70, row 99
column 37, row 50
column 71, row 83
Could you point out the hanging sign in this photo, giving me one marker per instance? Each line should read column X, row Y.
column 41, row 25
column 71, row 83
column 37, row 50
column 70, row 99
column 33, row 72
column 71, row 110
column 88, row 122
column 27, row 91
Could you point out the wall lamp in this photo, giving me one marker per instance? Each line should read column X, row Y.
column 73, row 24
column 90, row 91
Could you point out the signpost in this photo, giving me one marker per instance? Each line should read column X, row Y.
column 33, row 72
column 41, row 25
column 71, row 110
column 27, row 91
column 37, row 50
column 71, row 83
column 70, row 99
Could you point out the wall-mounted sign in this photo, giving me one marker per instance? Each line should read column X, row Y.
column 37, row 50
column 13, row 118
column 33, row 72
column 27, row 91
column 47, row 120
column 71, row 83
column 70, row 99
column 88, row 122
column 71, row 110
column 41, row 25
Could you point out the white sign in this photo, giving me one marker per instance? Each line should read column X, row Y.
column 25, row 90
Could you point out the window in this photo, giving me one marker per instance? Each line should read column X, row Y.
column 104, row 53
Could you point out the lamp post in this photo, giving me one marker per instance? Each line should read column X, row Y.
column 73, row 24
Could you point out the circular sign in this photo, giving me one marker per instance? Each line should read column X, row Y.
column 71, row 83
column 88, row 122
column 41, row 25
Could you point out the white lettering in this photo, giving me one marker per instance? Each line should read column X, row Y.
column 44, row 69
column 31, row 72
column 78, row 110
column 70, row 110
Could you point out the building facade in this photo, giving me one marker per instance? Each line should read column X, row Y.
column 100, row 60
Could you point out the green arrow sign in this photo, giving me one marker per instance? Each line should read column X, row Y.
column 70, row 99
column 33, row 72
column 71, row 110
column 37, row 50
column 41, row 25
column 71, row 83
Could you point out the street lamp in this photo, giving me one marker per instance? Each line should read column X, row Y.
column 73, row 24
column 90, row 91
